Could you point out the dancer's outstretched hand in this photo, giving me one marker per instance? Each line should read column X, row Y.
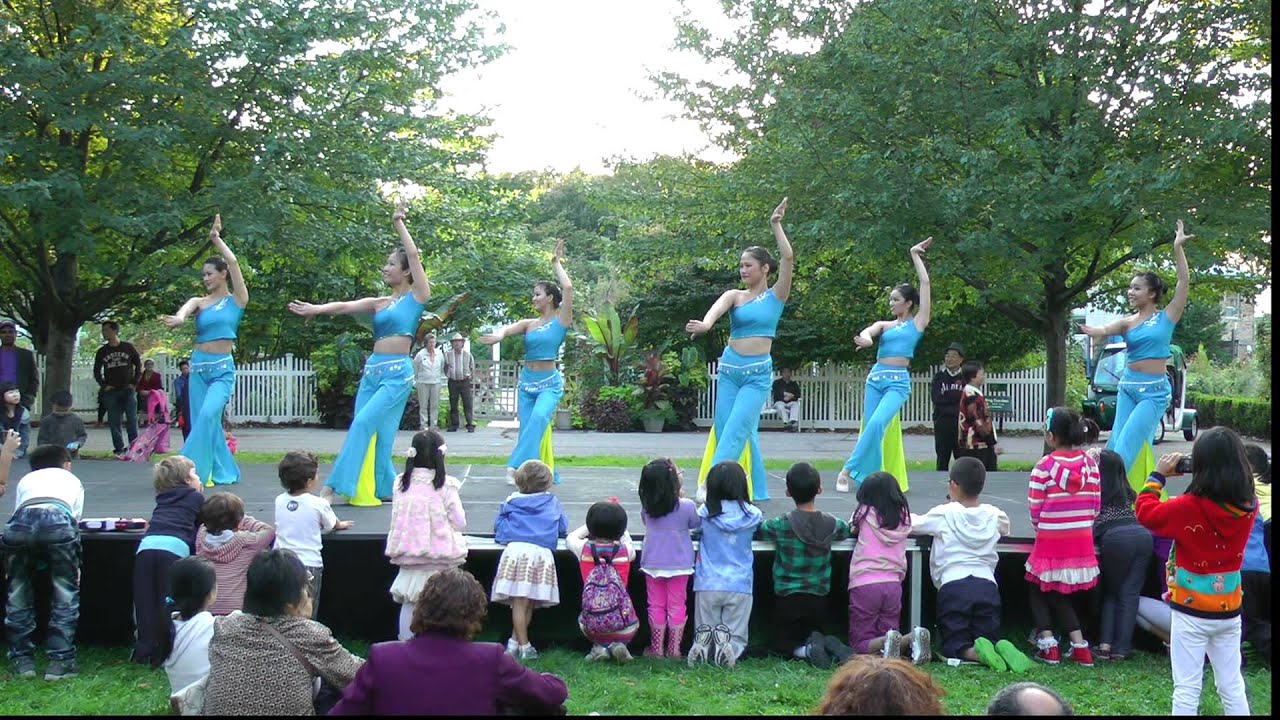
column 401, row 209
column 1096, row 333
column 860, row 342
column 304, row 309
column 491, row 339
column 779, row 211
column 171, row 321
column 696, row 328
column 1181, row 238
column 215, row 232
column 558, row 256
column 920, row 247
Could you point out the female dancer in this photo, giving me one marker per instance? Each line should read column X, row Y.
column 1144, row 390
column 213, row 372
column 746, row 368
column 388, row 373
column 540, row 382
column 889, row 383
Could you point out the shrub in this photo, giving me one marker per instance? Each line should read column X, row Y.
column 609, row 409
column 1247, row 416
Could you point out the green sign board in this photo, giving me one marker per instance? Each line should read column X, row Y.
column 999, row 401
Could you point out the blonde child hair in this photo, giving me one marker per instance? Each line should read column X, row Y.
column 172, row 472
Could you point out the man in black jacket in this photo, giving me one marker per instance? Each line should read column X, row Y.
column 945, row 389
column 18, row 365
column 116, row 368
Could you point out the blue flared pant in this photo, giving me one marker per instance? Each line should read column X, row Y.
column 539, row 394
column 385, row 387
column 743, row 385
column 213, row 377
column 1140, row 402
column 888, row 388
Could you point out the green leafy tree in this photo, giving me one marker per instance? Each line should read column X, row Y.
column 1047, row 146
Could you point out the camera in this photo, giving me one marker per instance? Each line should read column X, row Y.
column 1184, row 465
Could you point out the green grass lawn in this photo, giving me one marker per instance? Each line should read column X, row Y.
column 110, row 685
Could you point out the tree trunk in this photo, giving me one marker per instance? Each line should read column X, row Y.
column 59, row 352
column 1054, row 333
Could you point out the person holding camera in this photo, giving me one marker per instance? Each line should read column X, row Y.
column 1209, row 526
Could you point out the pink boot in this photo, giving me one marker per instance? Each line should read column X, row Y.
column 675, row 635
column 656, row 633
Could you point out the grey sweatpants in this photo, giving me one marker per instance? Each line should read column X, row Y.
column 728, row 608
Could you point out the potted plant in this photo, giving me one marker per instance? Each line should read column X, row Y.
column 655, row 381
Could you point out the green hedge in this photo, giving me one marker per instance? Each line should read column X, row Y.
column 1247, row 416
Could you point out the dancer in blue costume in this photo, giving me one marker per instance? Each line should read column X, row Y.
column 213, row 372
column 1144, row 387
column 745, row 375
column 889, row 382
column 365, row 458
column 540, row 385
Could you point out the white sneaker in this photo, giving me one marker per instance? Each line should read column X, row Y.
column 511, row 477
column 920, row 646
column 528, row 652
column 723, row 641
column 598, row 653
column 843, row 481
column 701, row 496
column 701, row 648
column 892, row 644
column 620, row 653
column 513, row 648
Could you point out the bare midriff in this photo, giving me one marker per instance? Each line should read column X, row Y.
column 894, row 361
column 1152, row 366
column 394, row 345
column 752, row 345
column 216, row 347
column 540, row 364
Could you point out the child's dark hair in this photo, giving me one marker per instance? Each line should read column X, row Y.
column 803, row 482
column 428, row 452
column 726, row 481
column 62, row 398
column 296, row 469
column 1069, row 428
column 1116, row 491
column 1259, row 462
column 970, row 475
column 191, row 579
column 659, row 488
column 1219, row 469
column 222, row 511
column 606, row 521
column 880, row 491
column 48, row 456
column 969, row 370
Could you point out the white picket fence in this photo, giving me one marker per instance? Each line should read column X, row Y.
column 831, row 397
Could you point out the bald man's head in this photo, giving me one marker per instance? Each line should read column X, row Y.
column 1028, row 698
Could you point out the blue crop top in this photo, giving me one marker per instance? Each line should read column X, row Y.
column 899, row 341
column 1149, row 340
column 757, row 318
column 400, row 318
column 543, row 342
column 219, row 321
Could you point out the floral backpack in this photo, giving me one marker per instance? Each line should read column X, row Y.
column 606, row 606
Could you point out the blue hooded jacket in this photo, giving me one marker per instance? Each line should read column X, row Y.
column 725, row 559
column 538, row 518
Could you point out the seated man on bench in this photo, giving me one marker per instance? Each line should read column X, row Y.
column 786, row 400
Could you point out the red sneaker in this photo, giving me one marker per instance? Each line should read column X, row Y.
column 1080, row 655
column 1049, row 656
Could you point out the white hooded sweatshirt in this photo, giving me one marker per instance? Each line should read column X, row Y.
column 964, row 540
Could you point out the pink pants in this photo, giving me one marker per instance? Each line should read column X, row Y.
column 668, row 599
column 157, row 403
column 874, row 610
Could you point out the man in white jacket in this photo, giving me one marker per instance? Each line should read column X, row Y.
column 428, row 373
column 962, row 564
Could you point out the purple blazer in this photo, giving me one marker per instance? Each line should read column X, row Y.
column 440, row 675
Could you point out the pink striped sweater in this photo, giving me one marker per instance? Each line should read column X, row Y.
column 231, row 553
column 1064, row 497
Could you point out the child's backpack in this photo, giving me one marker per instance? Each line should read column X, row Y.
column 606, row 606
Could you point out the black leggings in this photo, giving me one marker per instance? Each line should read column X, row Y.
column 1043, row 601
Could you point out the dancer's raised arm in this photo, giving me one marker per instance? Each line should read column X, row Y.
column 421, row 286
column 1178, row 303
column 925, row 311
column 239, row 291
column 566, row 287
column 516, row 328
column 786, row 257
column 718, row 308
column 344, row 307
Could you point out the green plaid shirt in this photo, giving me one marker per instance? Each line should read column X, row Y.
column 798, row 566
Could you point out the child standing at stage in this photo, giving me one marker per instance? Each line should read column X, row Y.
column 427, row 521
column 302, row 517
column 876, row 569
column 529, row 523
column 1210, row 526
column 604, row 551
column 1064, row 498
column 193, row 586
column 723, row 576
column 802, row 571
column 230, row 539
column 1255, row 573
column 1124, row 551
column 170, row 536
column 962, row 564
column 667, row 561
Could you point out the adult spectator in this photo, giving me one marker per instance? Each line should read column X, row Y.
column 117, row 367
column 441, row 671
column 264, row 660
column 786, row 400
column 1028, row 698
column 874, row 685
column 459, row 366
column 18, row 365
column 428, row 371
column 945, row 390
column 151, row 391
column 182, row 397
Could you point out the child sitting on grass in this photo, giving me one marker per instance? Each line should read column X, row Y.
column 802, row 572
column 193, row 586
column 604, row 551
column 230, row 539
column 962, row 564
